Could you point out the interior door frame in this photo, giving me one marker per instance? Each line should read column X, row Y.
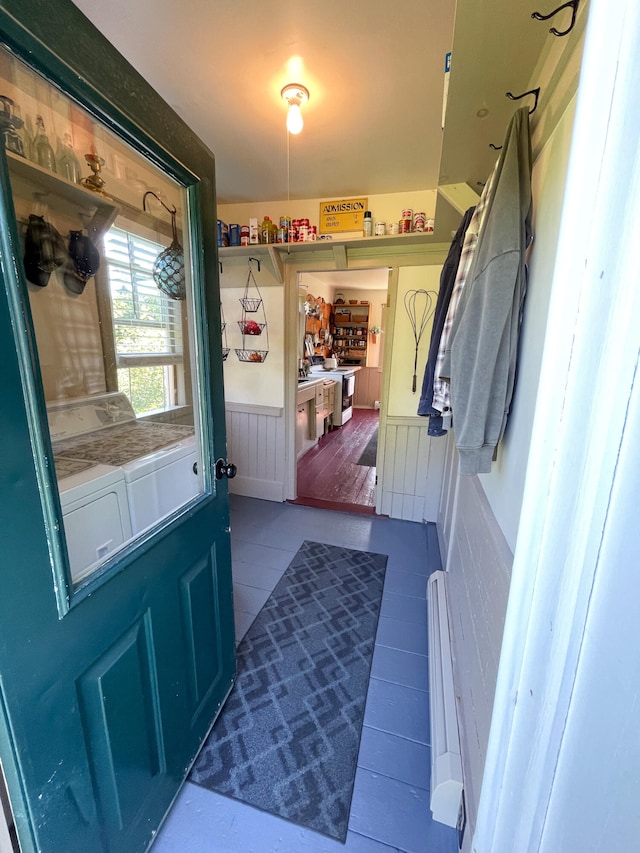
column 377, row 259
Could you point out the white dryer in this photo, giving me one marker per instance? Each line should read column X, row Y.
column 160, row 482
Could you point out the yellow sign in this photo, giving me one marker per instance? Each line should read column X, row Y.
column 342, row 215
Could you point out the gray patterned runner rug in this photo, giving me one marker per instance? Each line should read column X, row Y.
column 287, row 739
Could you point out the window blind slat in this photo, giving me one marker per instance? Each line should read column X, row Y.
column 145, row 321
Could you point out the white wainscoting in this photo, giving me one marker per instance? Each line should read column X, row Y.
column 256, row 445
column 412, row 468
column 478, row 572
column 448, row 495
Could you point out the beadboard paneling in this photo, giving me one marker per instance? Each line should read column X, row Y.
column 368, row 385
column 478, row 566
column 411, row 470
column 255, row 443
column 448, row 494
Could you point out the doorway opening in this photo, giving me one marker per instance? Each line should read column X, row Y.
column 342, row 317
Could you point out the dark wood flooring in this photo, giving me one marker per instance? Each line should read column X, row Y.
column 329, row 476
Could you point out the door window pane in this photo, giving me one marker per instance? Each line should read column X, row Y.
column 112, row 304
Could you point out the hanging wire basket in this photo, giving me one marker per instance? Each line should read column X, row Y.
column 250, row 327
column 253, row 356
column 250, row 304
column 223, row 328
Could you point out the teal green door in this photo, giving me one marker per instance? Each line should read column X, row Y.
column 116, row 616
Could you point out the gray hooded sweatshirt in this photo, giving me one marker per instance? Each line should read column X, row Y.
column 481, row 361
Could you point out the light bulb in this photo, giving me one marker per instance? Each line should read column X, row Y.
column 294, row 119
column 295, row 95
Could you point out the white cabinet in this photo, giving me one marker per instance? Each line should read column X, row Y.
column 306, row 415
column 302, row 428
column 314, row 412
column 325, row 397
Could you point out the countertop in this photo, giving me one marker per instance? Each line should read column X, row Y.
column 344, row 368
column 307, row 387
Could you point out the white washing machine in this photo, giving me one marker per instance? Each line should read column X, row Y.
column 95, row 509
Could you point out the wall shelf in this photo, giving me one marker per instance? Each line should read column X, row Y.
column 339, row 254
column 29, row 180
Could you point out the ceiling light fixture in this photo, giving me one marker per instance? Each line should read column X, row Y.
column 295, row 95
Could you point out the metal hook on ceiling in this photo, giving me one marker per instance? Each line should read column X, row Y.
column 256, row 260
column 170, row 210
column 535, row 92
column 495, row 147
column 574, row 11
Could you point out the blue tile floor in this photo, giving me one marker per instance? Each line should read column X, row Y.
column 390, row 806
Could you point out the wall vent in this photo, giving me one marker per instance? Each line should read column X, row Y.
column 446, row 764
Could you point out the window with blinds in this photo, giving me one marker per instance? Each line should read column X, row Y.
column 147, row 325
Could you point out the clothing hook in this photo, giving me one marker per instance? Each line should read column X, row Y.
column 574, row 11
column 535, row 92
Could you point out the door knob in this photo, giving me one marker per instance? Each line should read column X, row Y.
column 225, row 469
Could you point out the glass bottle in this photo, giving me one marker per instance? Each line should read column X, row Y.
column 67, row 162
column 367, row 226
column 10, row 124
column 43, row 151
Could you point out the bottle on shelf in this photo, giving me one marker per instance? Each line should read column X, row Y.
column 10, row 125
column 43, row 152
column 266, row 234
column 67, row 162
column 367, row 226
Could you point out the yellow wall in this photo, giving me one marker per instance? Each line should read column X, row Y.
column 388, row 206
column 402, row 401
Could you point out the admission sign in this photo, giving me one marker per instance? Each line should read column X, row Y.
column 342, row 215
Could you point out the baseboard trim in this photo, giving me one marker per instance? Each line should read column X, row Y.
column 250, row 487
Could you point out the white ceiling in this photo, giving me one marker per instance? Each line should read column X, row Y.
column 369, row 279
column 375, row 71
